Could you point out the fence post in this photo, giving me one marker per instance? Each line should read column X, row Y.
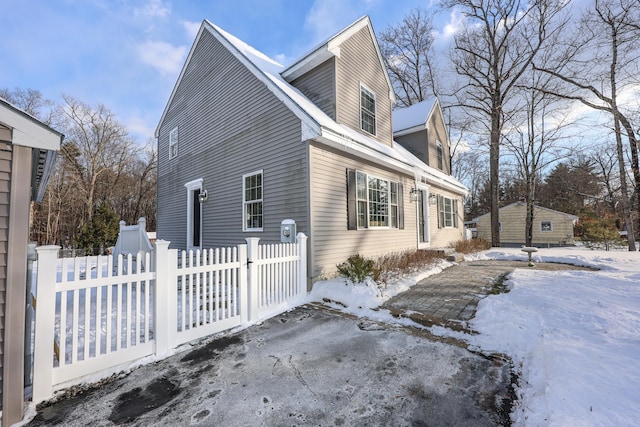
column 253, row 287
column 242, row 283
column 301, row 238
column 165, row 313
column 45, row 323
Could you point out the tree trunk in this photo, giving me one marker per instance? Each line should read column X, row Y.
column 494, row 164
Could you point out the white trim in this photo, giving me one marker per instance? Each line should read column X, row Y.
column 221, row 36
column 244, row 209
column 173, row 144
column 368, row 225
column 196, row 184
column 427, row 217
column 375, row 109
column 28, row 131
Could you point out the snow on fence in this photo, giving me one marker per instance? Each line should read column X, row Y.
column 96, row 313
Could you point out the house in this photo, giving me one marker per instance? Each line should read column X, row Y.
column 245, row 143
column 27, row 155
column 550, row 228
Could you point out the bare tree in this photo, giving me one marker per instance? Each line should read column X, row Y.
column 408, row 53
column 535, row 137
column 499, row 42
column 604, row 53
column 96, row 145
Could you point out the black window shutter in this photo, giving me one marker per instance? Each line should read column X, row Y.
column 400, row 206
column 352, row 204
column 440, row 207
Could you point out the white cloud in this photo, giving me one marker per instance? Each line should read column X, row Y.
column 326, row 17
column 154, row 9
column 191, row 28
column 164, row 57
column 455, row 23
column 142, row 129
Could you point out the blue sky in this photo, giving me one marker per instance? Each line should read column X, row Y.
column 127, row 54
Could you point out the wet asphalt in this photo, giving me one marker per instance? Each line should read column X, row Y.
column 314, row 366
column 307, row 367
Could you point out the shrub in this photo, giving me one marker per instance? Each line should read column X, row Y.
column 386, row 267
column 470, row 246
column 357, row 268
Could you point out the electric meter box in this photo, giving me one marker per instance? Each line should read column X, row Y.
column 288, row 231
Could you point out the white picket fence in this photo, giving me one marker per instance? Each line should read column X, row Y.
column 96, row 313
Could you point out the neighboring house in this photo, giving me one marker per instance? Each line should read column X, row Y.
column 27, row 155
column 550, row 228
column 313, row 142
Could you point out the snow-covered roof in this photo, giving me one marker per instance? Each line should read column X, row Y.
column 413, row 116
column 315, row 123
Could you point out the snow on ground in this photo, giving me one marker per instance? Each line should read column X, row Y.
column 573, row 336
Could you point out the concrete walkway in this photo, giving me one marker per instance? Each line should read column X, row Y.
column 450, row 298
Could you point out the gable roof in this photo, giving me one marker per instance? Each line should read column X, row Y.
column 330, row 48
column 414, row 116
column 536, row 207
column 314, row 122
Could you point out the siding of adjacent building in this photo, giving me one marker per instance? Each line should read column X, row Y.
column 319, row 86
column 332, row 243
column 359, row 63
column 5, row 180
column 512, row 218
column 229, row 124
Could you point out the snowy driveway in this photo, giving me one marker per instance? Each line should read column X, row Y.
column 305, row 367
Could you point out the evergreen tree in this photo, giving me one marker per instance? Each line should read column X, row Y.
column 101, row 232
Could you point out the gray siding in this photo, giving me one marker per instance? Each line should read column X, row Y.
column 5, row 181
column 229, row 124
column 359, row 63
column 319, row 86
column 416, row 143
column 332, row 243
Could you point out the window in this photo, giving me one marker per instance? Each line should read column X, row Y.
column 252, row 202
column 546, row 226
column 173, row 143
column 440, row 155
column 377, row 202
column 194, row 213
column 447, row 212
column 367, row 110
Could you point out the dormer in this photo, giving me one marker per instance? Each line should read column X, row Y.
column 420, row 128
column 346, row 78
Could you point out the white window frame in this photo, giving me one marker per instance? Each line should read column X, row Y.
column 246, row 202
column 173, row 143
column 191, row 186
column 542, row 229
column 366, row 202
column 448, row 218
column 440, row 155
column 366, row 110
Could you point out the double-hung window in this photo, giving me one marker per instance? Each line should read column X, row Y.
column 367, row 110
column 252, row 201
column 440, row 155
column 447, row 212
column 378, row 202
column 173, row 143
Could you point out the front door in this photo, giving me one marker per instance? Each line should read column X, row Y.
column 423, row 218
